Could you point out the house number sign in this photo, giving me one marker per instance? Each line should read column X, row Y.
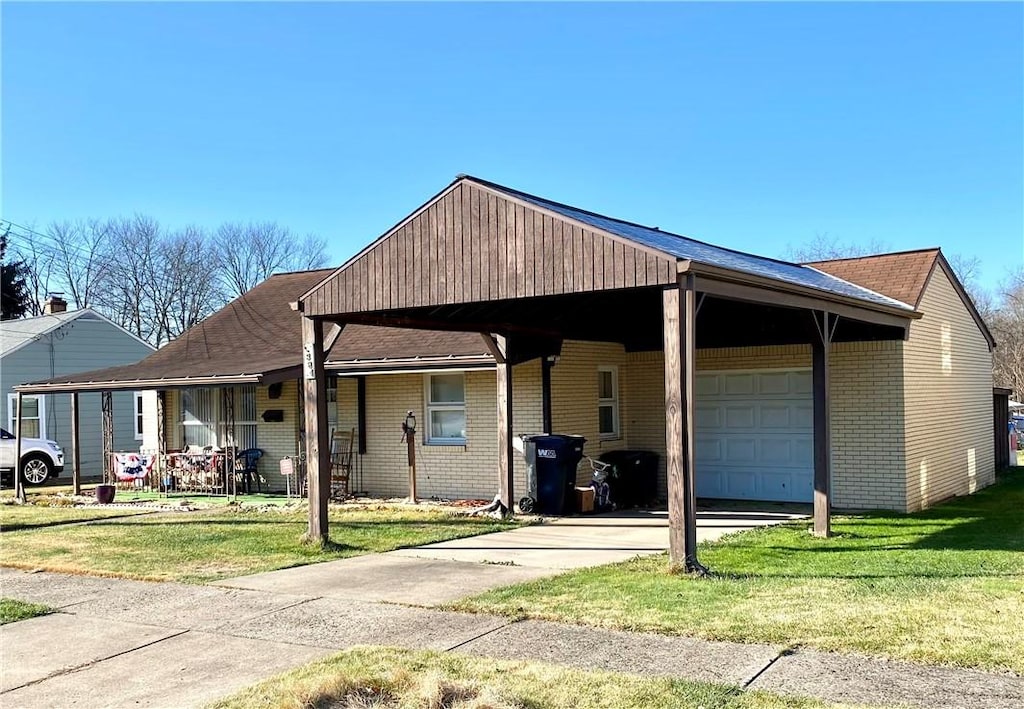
column 308, row 370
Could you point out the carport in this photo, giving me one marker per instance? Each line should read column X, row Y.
column 528, row 273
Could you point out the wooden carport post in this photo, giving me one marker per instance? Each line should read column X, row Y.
column 506, row 461
column 19, row 484
column 76, row 448
column 318, row 464
column 824, row 323
column 679, row 307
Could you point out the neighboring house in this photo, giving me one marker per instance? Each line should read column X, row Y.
column 910, row 365
column 62, row 342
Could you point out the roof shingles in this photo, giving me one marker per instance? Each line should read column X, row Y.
column 902, row 276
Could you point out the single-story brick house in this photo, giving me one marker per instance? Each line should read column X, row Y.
column 909, row 361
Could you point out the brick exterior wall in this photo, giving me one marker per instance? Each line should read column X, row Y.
column 867, row 418
column 445, row 471
column 574, row 397
column 868, row 458
column 947, row 367
column 277, row 439
column 910, row 420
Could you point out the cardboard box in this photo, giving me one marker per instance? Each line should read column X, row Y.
column 585, row 499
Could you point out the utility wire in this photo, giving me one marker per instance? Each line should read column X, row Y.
column 55, row 245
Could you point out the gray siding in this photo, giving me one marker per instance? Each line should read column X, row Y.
column 78, row 346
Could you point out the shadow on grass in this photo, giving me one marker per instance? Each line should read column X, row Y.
column 19, row 526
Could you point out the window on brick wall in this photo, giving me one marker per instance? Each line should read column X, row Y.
column 446, row 408
column 608, row 401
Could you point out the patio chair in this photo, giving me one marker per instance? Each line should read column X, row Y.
column 341, row 462
column 247, row 468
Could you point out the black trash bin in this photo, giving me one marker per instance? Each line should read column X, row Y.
column 551, row 462
column 635, row 479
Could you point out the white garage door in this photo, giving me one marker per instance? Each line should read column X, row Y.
column 754, row 435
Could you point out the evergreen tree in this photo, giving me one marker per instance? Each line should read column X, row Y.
column 14, row 295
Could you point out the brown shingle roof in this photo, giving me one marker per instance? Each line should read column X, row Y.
column 364, row 342
column 901, row 276
column 258, row 334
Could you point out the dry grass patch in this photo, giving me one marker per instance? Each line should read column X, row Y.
column 387, row 678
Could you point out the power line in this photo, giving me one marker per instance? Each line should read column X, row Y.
column 55, row 246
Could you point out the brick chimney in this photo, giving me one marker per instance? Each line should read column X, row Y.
column 54, row 304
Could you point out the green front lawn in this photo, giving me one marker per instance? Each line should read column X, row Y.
column 15, row 517
column 207, row 545
column 386, row 678
column 12, row 610
column 944, row 586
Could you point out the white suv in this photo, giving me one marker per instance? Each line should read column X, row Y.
column 41, row 459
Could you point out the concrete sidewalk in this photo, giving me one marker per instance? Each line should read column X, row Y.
column 436, row 574
column 118, row 643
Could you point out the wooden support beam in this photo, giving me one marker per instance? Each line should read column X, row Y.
column 161, row 437
column 318, row 453
column 361, row 415
column 76, row 447
column 19, row 484
column 497, row 351
column 505, row 453
column 820, row 347
column 107, row 428
column 546, row 364
column 679, row 307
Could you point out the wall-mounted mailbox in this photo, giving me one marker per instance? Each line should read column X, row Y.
column 273, row 415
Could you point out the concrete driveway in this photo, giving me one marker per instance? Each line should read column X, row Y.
column 437, row 574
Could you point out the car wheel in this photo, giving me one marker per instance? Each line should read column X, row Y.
column 35, row 470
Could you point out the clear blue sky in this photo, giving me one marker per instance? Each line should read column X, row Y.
column 752, row 126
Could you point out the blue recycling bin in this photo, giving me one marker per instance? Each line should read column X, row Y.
column 551, row 461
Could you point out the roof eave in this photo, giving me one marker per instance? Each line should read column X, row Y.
column 138, row 384
column 739, row 283
column 411, row 365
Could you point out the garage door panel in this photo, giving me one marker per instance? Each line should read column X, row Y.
column 711, row 481
column 803, row 454
column 708, row 450
column 707, row 416
column 775, row 416
column 803, row 417
column 802, row 383
column 774, row 383
column 755, row 437
column 775, row 452
column 706, row 385
column 740, row 450
column 738, row 384
column 739, row 417
column 781, row 485
column 741, row 484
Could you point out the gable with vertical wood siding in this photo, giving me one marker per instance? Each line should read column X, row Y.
column 472, row 244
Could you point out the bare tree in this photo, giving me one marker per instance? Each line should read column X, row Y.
column 189, row 282
column 251, row 253
column 82, row 259
column 40, row 277
column 133, row 253
column 825, row 247
column 1007, row 324
column 968, row 271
